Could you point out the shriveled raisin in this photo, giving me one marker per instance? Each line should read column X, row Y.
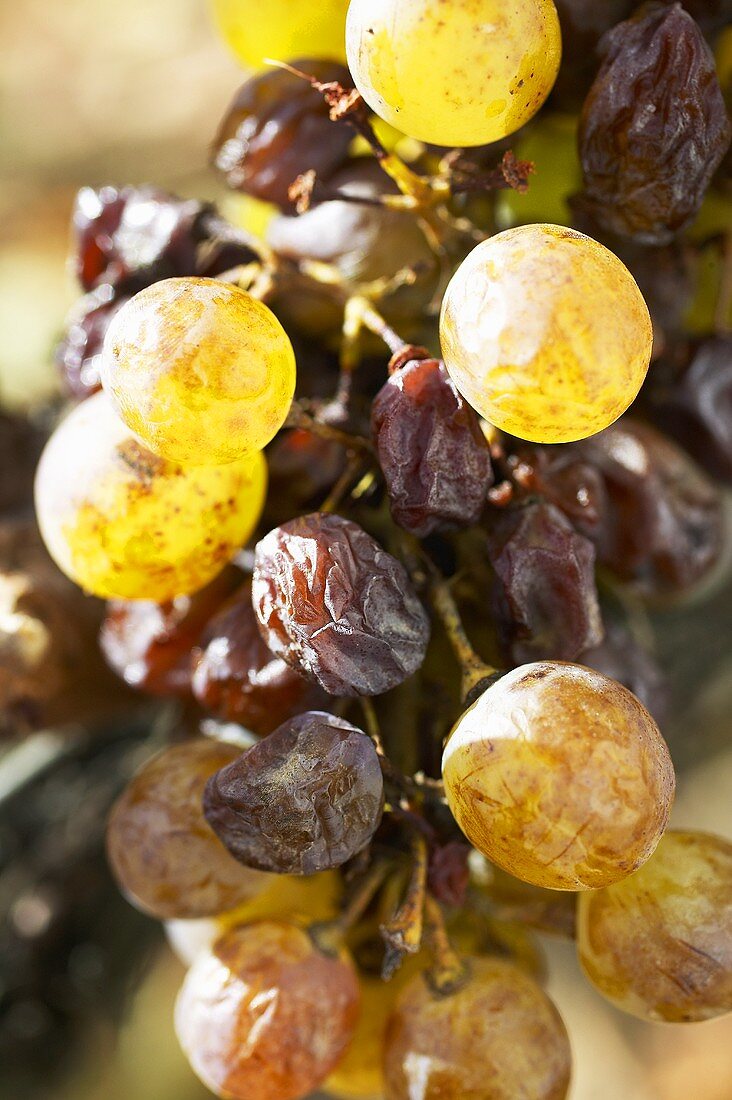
column 654, row 126
column 432, row 452
column 332, row 603
column 544, row 591
column 305, row 799
column 78, row 353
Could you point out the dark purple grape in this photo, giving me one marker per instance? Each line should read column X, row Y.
column 277, row 128
column 654, row 126
column 239, row 680
column 561, row 475
column 433, row 454
column 694, row 403
column 305, row 799
column 78, row 354
column 544, row 593
column 302, row 469
column 622, row 658
column 333, row 604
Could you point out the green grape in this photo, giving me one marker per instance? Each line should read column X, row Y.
column 282, row 29
column 659, row 944
column 560, row 776
column 201, row 372
column 454, row 72
column 125, row 524
column 552, row 148
column 497, row 1037
column 545, row 332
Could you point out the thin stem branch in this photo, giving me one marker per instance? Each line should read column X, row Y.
column 475, row 670
column 448, row 972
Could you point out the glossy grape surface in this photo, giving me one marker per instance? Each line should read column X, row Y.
column 560, row 776
column 201, row 372
column 125, row 524
column 659, row 944
column 281, row 29
column 545, row 332
column 453, row 72
column 498, row 1037
column 266, row 1014
column 167, row 860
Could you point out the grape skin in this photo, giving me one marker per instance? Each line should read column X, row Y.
column 497, row 1038
column 659, row 944
column 461, row 72
column 545, row 333
column 166, row 859
column 125, row 524
column 266, row 1014
column 200, row 371
column 281, row 29
column 560, row 776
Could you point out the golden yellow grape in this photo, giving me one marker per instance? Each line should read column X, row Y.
column 282, row 29
column 454, row 72
column 199, row 370
column 560, row 776
column 125, row 524
column 659, row 944
column 545, row 332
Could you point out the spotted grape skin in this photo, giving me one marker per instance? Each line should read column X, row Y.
column 200, row 371
column 125, row 524
column 454, row 72
column 659, row 944
column 266, row 1014
column 560, row 776
column 545, row 333
column 166, row 859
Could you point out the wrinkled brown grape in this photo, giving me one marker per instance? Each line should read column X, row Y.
column 277, row 128
column 166, row 859
column 659, row 944
column 305, row 799
column 333, row 604
column 497, row 1037
column 654, row 126
column 431, row 450
column 266, row 1014
column 78, row 353
column 544, row 584
column 238, row 679
column 560, row 776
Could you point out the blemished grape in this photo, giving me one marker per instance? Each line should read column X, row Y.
column 545, row 333
column 238, row 679
column 281, row 30
column 659, row 944
column 560, row 776
column 461, row 72
column 497, row 1037
column 199, row 370
column 333, row 604
column 125, row 524
column 266, row 1014
column 305, row 799
column 166, row 859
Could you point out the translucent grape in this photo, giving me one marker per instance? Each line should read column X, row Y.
column 281, row 29
column 659, row 944
column 454, row 72
column 545, row 333
column 167, row 860
column 125, row 524
column 266, row 1014
column 201, row 372
column 560, row 776
column 498, row 1037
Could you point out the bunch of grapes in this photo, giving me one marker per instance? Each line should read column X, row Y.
column 354, row 791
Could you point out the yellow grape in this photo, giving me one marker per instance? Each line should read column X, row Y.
column 454, row 72
column 282, row 29
column 659, row 944
column 125, row 524
column 199, row 370
column 560, row 776
column 545, row 332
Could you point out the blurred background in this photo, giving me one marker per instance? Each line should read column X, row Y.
column 93, row 92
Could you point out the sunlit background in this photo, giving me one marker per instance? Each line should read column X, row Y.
column 95, row 91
